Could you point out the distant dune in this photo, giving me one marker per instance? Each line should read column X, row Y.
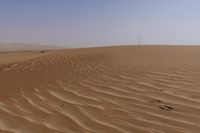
column 24, row 47
column 123, row 89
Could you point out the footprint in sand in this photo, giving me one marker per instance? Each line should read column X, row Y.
column 166, row 107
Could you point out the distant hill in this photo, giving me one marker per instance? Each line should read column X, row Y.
column 24, row 47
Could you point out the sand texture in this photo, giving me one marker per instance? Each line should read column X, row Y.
column 122, row 89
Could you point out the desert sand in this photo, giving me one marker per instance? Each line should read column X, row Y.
column 121, row 89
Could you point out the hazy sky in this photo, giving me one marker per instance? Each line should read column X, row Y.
column 80, row 23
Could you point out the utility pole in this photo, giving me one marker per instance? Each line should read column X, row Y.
column 139, row 39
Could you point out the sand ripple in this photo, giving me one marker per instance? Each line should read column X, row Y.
column 102, row 90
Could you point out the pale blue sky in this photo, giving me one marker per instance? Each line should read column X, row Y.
column 80, row 23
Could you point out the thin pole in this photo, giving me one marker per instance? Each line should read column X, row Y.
column 139, row 39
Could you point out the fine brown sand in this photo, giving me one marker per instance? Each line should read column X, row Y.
column 122, row 89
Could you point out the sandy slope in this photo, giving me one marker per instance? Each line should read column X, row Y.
column 130, row 89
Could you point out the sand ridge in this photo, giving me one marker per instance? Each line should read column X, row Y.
column 122, row 89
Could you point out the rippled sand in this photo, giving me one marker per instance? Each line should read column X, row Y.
column 129, row 89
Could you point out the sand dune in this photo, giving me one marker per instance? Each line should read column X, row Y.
column 129, row 89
